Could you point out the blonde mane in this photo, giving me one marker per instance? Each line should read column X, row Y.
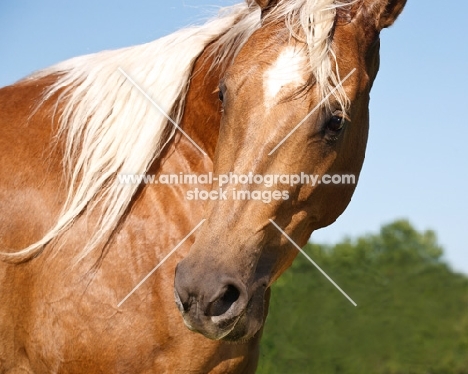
column 110, row 128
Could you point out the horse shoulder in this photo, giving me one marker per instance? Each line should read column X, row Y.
column 31, row 188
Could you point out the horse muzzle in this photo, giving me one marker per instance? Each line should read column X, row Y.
column 218, row 306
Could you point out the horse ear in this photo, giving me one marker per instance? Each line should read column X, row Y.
column 265, row 3
column 390, row 10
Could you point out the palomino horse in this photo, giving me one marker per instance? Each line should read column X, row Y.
column 76, row 238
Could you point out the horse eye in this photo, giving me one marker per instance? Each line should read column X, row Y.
column 336, row 123
column 221, row 90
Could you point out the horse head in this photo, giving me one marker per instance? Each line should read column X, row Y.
column 295, row 103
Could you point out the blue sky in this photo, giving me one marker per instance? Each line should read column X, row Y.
column 417, row 155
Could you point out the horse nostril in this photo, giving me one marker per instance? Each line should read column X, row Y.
column 231, row 295
column 223, row 303
column 186, row 307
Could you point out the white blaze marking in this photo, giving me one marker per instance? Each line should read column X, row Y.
column 287, row 71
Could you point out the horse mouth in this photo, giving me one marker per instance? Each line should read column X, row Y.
column 221, row 332
column 238, row 329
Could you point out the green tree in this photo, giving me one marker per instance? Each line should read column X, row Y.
column 412, row 314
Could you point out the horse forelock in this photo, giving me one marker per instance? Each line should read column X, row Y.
column 312, row 22
column 309, row 21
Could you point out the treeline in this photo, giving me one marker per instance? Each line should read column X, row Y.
column 412, row 314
